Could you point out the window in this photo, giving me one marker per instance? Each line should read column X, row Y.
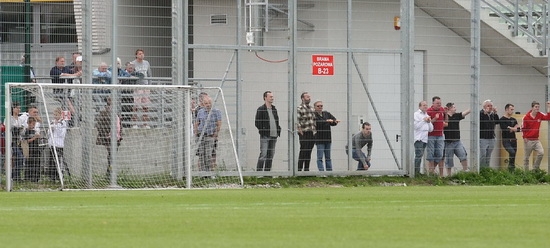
column 56, row 23
column 12, row 17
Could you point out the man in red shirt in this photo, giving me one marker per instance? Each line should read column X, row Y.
column 530, row 128
column 436, row 140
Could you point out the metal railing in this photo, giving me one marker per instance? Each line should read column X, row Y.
column 524, row 19
column 159, row 109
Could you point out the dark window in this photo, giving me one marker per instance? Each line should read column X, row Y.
column 57, row 23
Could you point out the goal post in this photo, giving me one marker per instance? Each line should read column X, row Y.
column 91, row 136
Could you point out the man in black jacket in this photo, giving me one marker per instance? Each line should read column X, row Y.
column 267, row 122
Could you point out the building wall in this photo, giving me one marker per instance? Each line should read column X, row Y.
column 446, row 68
column 446, row 72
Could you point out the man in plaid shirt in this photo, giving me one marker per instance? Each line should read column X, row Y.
column 306, row 131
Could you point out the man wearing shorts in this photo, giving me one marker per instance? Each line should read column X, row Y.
column 453, row 145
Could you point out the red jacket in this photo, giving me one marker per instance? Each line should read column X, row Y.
column 531, row 126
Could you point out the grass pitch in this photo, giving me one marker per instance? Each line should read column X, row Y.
column 463, row 216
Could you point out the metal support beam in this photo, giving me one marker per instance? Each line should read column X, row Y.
column 475, row 63
column 407, row 84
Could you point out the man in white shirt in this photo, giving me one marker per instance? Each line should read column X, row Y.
column 422, row 126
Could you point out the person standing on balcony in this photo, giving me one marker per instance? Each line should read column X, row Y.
column 141, row 96
column 74, row 63
column 102, row 75
column 57, row 73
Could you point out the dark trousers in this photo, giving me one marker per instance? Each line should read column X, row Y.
column 511, row 147
column 32, row 164
column 110, row 158
column 267, row 151
column 307, row 141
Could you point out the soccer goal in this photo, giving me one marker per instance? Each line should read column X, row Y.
column 89, row 136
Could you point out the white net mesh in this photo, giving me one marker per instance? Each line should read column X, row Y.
column 164, row 137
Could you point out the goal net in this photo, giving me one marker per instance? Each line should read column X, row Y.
column 88, row 136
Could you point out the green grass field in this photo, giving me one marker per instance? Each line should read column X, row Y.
column 420, row 216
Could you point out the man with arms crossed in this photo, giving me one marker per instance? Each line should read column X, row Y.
column 531, row 127
column 267, row 122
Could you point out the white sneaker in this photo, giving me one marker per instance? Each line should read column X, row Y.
column 146, row 127
column 135, row 126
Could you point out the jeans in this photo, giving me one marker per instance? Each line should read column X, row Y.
column 267, row 151
column 324, row 148
column 419, row 148
column 356, row 156
column 511, row 146
column 18, row 162
column 486, row 147
column 307, row 141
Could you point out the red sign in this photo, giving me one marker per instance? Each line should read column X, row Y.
column 323, row 65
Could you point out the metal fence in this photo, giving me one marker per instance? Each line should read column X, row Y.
column 385, row 57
